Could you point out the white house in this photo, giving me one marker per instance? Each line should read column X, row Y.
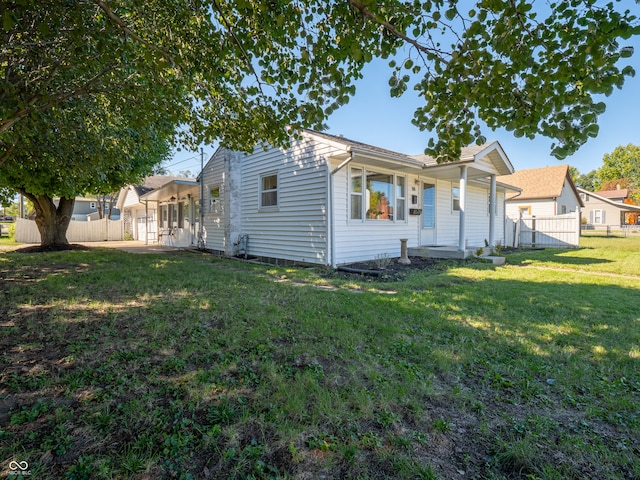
column 607, row 208
column 546, row 191
column 328, row 200
column 162, row 209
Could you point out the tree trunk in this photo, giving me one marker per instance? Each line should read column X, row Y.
column 52, row 221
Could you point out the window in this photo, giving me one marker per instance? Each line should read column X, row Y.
column 214, row 200
column 563, row 209
column 379, row 203
column 180, row 217
column 377, row 196
column 455, row 197
column 165, row 216
column 400, row 198
column 428, row 205
column 173, row 215
column 598, row 217
column 524, row 211
column 269, row 191
column 356, row 194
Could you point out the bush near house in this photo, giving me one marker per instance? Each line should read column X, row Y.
column 187, row 366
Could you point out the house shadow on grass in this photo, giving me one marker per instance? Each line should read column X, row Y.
column 555, row 257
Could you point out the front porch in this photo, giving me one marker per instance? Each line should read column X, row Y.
column 454, row 252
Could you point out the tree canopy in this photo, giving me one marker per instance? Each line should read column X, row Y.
column 621, row 167
column 239, row 71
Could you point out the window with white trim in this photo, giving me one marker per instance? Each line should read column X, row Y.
column 269, row 190
column 355, row 196
column 401, row 201
column 375, row 195
column 214, row 199
column 598, row 217
column 455, row 199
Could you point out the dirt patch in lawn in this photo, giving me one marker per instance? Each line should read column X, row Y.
column 50, row 248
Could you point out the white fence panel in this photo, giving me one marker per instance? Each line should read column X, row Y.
column 26, row 231
column 509, row 232
column 93, row 231
column 558, row 231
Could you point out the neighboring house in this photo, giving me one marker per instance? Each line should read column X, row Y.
column 547, row 191
column 606, row 208
column 161, row 209
column 619, row 195
column 86, row 208
column 328, row 200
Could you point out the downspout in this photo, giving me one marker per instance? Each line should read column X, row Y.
column 146, row 223
column 201, row 226
column 331, row 216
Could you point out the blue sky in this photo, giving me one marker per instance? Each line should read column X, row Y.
column 373, row 117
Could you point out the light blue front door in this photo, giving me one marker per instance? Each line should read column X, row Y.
column 428, row 233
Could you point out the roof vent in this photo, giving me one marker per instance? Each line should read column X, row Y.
column 339, row 135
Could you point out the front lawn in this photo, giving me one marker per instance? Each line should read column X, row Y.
column 119, row 365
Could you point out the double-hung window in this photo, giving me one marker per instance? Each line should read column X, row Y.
column 374, row 195
column 400, row 198
column 455, row 197
column 356, row 194
column 269, row 190
column 214, row 200
column 599, row 217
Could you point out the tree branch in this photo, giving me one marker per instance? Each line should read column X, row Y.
column 237, row 42
column 118, row 21
column 7, row 123
column 393, row 30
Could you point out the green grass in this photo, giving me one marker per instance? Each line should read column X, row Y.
column 617, row 255
column 118, row 365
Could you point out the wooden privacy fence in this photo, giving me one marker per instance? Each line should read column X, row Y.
column 92, row 231
column 555, row 231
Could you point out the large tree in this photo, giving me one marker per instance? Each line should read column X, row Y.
column 622, row 167
column 241, row 71
column 85, row 146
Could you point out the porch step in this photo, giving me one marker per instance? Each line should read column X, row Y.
column 440, row 252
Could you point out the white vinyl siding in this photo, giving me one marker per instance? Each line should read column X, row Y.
column 567, row 199
column 215, row 219
column 544, row 207
column 477, row 220
column 297, row 229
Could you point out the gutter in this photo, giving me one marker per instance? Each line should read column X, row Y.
column 330, row 212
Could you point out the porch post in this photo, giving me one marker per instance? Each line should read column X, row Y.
column 462, row 234
column 493, row 202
